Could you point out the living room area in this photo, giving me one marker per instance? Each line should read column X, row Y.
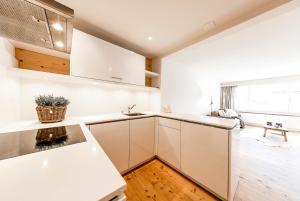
column 270, row 140
column 249, row 72
column 271, row 103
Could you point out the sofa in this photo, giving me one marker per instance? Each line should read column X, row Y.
column 229, row 114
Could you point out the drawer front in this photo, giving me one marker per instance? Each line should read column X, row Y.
column 169, row 123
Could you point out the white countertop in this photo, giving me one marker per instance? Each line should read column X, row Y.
column 76, row 172
column 201, row 119
column 34, row 124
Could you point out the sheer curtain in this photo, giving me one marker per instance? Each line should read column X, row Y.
column 227, row 97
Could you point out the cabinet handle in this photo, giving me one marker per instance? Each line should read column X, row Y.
column 118, row 78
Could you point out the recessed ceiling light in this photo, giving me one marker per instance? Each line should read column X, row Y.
column 57, row 26
column 45, row 163
column 59, row 44
column 150, row 38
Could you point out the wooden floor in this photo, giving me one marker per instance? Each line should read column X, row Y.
column 269, row 167
column 156, row 181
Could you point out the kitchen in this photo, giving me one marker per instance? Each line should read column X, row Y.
column 83, row 113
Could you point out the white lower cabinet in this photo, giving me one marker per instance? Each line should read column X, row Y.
column 200, row 152
column 142, row 136
column 205, row 155
column 114, row 139
column 127, row 143
column 168, row 147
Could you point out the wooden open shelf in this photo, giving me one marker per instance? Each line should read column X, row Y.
column 149, row 74
column 41, row 62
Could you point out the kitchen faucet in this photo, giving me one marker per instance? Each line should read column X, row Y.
column 130, row 108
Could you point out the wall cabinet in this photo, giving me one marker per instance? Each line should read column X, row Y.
column 94, row 58
column 205, row 156
column 127, row 66
column 168, row 147
column 90, row 56
column 142, row 134
column 114, row 139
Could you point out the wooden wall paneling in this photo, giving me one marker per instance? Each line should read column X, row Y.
column 42, row 62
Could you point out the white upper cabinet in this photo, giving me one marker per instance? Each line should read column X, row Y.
column 94, row 58
column 127, row 66
column 90, row 56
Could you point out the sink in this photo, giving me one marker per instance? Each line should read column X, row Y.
column 133, row 114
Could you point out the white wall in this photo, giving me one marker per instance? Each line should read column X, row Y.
column 9, row 88
column 87, row 97
column 266, row 46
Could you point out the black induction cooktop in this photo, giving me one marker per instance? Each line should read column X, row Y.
column 20, row 143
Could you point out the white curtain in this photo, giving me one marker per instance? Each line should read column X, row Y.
column 227, row 97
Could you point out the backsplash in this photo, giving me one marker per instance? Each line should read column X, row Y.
column 87, row 99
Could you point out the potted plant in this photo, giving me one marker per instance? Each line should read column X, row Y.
column 51, row 109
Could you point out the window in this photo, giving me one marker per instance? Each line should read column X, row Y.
column 294, row 106
column 278, row 98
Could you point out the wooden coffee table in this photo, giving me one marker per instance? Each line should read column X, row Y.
column 282, row 130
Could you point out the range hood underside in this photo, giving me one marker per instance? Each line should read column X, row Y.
column 24, row 21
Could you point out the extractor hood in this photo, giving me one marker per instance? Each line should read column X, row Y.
column 44, row 23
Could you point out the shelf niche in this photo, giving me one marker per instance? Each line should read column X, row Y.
column 149, row 74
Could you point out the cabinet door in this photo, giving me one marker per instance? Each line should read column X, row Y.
column 127, row 66
column 142, row 133
column 204, row 156
column 114, row 139
column 90, row 56
column 94, row 58
column 118, row 60
column 169, row 145
column 135, row 69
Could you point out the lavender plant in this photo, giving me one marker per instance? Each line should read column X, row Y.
column 50, row 100
column 61, row 101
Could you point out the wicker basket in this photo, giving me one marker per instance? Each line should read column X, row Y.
column 50, row 114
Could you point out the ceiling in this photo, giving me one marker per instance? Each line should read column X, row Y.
column 172, row 24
